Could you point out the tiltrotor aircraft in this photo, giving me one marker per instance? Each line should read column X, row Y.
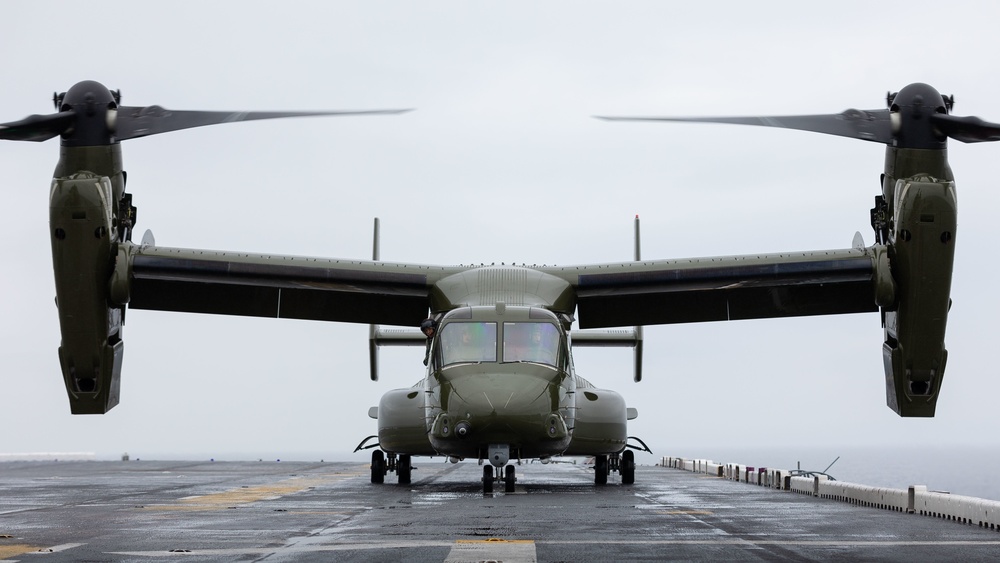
column 500, row 383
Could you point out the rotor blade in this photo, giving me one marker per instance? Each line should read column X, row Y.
column 858, row 124
column 37, row 127
column 136, row 121
column 966, row 129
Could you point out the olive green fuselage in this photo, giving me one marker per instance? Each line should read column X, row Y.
column 502, row 394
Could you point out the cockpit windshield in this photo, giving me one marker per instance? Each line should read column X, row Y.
column 531, row 342
column 464, row 342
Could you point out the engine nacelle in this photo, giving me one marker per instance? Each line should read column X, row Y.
column 84, row 240
column 922, row 251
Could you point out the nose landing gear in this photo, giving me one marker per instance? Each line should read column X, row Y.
column 498, row 455
column 493, row 474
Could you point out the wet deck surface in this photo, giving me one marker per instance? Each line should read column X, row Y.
column 287, row 511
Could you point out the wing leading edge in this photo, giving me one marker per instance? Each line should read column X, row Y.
column 724, row 288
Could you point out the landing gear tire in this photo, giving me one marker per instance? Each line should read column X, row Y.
column 378, row 467
column 509, row 478
column 601, row 470
column 487, row 479
column 627, row 467
column 403, row 469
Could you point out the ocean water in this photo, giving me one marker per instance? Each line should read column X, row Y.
column 961, row 470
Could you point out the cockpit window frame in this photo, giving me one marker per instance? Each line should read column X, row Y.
column 533, row 342
column 467, row 342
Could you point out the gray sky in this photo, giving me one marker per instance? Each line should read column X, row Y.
column 500, row 162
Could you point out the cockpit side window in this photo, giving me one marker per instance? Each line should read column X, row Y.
column 465, row 342
column 531, row 342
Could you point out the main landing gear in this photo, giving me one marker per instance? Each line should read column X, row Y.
column 383, row 464
column 623, row 464
column 493, row 474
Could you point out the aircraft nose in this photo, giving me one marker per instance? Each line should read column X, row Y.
column 500, row 394
column 486, row 406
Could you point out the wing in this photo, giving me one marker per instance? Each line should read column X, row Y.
column 724, row 288
column 293, row 287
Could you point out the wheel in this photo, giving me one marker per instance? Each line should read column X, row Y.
column 601, row 470
column 508, row 479
column 378, row 467
column 403, row 468
column 627, row 467
column 487, row 479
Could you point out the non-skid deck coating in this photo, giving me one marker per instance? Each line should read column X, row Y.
column 288, row 511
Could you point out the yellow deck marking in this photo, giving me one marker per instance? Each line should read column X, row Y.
column 8, row 551
column 684, row 512
column 234, row 497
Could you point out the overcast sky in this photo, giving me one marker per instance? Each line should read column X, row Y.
column 501, row 161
